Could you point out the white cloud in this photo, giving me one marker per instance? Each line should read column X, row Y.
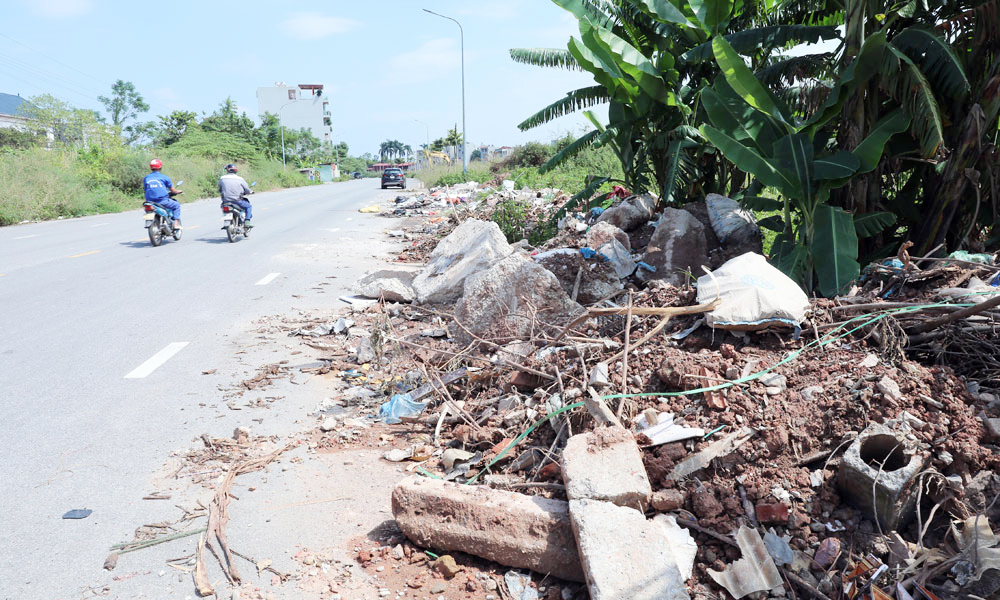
column 61, row 8
column 315, row 26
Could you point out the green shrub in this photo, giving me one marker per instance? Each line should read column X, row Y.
column 510, row 217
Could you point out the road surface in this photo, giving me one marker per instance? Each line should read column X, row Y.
column 103, row 342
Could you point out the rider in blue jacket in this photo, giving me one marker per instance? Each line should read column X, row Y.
column 158, row 188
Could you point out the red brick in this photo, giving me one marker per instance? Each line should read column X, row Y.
column 772, row 513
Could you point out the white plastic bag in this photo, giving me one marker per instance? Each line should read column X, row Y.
column 754, row 294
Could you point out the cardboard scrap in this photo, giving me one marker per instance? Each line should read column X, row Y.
column 755, row 572
column 980, row 544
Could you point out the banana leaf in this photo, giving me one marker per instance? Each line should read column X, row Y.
column 862, row 68
column 749, row 160
column 790, row 258
column 713, row 14
column 757, row 38
column 746, row 84
column 730, row 113
column 836, row 166
column 663, row 11
column 834, row 250
column 869, row 151
column 631, row 61
column 869, row 224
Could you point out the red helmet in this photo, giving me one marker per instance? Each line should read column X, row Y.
column 155, row 164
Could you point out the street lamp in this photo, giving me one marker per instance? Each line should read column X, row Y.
column 462, row 33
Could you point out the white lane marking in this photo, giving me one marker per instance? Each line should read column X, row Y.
column 268, row 279
column 334, row 230
column 24, row 237
column 100, row 225
column 349, row 219
column 156, row 361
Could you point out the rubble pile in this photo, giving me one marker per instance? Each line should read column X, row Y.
column 642, row 406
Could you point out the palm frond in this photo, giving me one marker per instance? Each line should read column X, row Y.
column 758, row 38
column 910, row 88
column 545, row 57
column 936, row 59
column 785, row 71
column 805, row 99
column 573, row 101
column 575, row 147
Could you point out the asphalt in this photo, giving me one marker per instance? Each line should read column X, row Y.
column 86, row 304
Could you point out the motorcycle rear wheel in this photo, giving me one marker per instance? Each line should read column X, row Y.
column 177, row 234
column 155, row 235
column 231, row 232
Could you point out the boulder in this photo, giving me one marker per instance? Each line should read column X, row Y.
column 598, row 279
column 393, row 284
column 736, row 228
column 676, row 248
column 472, row 247
column 511, row 300
column 601, row 233
column 633, row 212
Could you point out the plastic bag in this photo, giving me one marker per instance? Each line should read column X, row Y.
column 400, row 405
column 754, row 294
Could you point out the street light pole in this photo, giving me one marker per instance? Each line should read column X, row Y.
column 462, row 33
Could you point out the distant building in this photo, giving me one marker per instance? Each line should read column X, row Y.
column 298, row 106
column 10, row 111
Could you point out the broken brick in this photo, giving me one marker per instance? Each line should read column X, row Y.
column 772, row 513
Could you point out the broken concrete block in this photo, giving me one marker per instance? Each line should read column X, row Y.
column 633, row 212
column 472, row 247
column 513, row 299
column 992, row 428
column 599, row 376
column 366, row 352
column 606, row 464
column 878, row 474
column 516, row 530
column 667, row 500
column 393, row 284
column 601, row 233
column 677, row 248
column 623, row 554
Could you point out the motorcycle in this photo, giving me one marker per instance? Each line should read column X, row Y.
column 234, row 219
column 159, row 221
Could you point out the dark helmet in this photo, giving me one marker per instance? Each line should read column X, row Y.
column 231, row 168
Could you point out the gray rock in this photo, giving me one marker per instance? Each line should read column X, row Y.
column 511, row 300
column 676, row 248
column 393, row 284
column 366, row 353
column 632, row 213
column 602, row 232
column 471, row 248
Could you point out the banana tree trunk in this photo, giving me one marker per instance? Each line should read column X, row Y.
column 949, row 195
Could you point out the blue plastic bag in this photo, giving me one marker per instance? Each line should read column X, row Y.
column 400, row 405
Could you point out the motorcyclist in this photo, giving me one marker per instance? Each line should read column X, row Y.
column 233, row 188
column 158, row 188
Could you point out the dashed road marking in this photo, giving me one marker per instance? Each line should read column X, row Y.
column 268, row 279
column 85, row 254
column 24, row 237
column 192, row 227
column 156, row 361
column 100, row 225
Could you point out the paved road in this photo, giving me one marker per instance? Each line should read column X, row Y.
column 103, row 340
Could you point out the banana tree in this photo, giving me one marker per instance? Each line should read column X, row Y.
column 818, row 246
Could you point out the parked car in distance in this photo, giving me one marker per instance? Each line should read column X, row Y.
column 356, row 174
column 393, row 177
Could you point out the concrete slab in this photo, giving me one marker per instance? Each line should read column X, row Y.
column 512, row 529
column 623, row 554
column 606, row 465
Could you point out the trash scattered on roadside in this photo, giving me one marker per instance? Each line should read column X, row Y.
column 78, row 513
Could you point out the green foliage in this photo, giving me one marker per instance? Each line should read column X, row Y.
column 510, row 216
column 124, row 104
column 16, row 139
column 214, row 144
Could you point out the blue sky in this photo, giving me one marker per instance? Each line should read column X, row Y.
column 384, row 64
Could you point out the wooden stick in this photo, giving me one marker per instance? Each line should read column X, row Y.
column 628, row 330
column 955, row 316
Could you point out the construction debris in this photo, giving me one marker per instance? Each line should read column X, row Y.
column 797, row 441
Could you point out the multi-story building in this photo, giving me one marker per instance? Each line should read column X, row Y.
column 298, row 106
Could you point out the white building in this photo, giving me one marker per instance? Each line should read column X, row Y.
column 298, row 106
